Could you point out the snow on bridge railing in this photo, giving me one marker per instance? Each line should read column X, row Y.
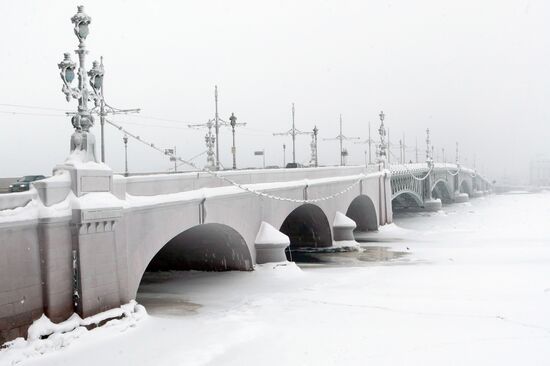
column 9, row 201
column 148, row 185
column 397, row 169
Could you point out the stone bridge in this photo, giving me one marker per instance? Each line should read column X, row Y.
column 430, row 185
column 81, row 240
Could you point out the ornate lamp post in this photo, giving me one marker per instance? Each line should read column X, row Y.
column 314, row 147
column 382, row 146
column 233, row 123
column 82, row 140
column 428, row 155
column 210, row 140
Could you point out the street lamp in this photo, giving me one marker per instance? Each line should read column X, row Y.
column 315, row 155
column 210, row 140
column 125, row 139
column 233, row 123
column 428, row 158
column 82, row 140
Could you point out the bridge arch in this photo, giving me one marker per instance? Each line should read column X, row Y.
column 363, row 212
column 441, row 190
column 205, row 247
column 406, row 199
column 307, row 226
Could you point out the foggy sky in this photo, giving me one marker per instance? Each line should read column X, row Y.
column 476, row 72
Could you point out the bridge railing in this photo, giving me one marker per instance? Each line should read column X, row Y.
column 9, row 201
column 148, row 185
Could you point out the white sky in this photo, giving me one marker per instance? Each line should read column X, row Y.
column 472, row 71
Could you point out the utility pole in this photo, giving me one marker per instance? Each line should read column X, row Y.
column 217, row 128
column 369, row 141
column 293, row 132
column 104, row 112
column 404, row 150
column 284, row 155
column 443, row 153
column 125, row 139
column 456, row 155
column 341, row 138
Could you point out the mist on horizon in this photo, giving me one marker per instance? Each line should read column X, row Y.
column 472, row 72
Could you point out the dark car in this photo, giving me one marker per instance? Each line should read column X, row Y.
column 24, row 183
column 294, row 165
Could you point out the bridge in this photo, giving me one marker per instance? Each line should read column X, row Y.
column 430, row 185
column 81, row 240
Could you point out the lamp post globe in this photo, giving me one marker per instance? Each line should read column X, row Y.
column 81, row 22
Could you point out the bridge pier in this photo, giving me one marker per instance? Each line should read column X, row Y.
column 433, row 204
column 270, row 244
column 461, row 197
column 343, row 227
column 477, row 194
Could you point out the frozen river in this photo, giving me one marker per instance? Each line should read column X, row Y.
column 469, row 285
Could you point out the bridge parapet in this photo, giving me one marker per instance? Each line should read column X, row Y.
column 149, row 185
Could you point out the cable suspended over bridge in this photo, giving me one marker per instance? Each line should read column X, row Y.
column 229, row 180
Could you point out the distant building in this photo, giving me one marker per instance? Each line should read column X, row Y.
column 540, row 172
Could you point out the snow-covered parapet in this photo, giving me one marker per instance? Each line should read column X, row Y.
column 343, row 227
column 270, row 244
